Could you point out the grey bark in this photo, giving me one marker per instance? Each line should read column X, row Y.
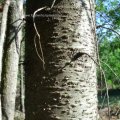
column 11, row 59
column 3, row 27
column 69, row 93
column 3, row 31
column 22, row 76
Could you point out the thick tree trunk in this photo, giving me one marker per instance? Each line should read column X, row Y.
column 11, row 59
column 69, row 93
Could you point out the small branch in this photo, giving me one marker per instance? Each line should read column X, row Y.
column 108, row 102
column 104, row 17
column 16, row 21
column 36, row 48
column 19, row 27
column 38, row 34
column 108, row 29
column 79, row 54
column 103, row 101
column 98, row 26
column 53, row 4
column 110, row 68
column 41, row 58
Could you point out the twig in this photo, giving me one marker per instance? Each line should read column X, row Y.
column 103, row 101
column 79, row 54
column 41, row 58
column 103, row 73
column 102, row 25
column 16, row 32
column 110, row 68
column 16, row 21
column 53, row 4
column 19, row 27
column 109, row 29
column 38, row 34
column 106, row 86
column 108, row 103
column 37, row 51
column 104, row 17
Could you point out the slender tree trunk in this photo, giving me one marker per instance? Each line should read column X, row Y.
column 62, row 91
column 22, row 76
column 3, row 31
column 2, row 41
column 11, row 59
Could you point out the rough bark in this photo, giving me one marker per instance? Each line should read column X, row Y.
column 11, row 60
column 69, row 93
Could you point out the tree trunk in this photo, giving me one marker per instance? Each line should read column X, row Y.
column 11, row 59
column 22, row 76
column 62, row 91
column 2, row 41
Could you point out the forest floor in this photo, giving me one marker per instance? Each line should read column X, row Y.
column 114, row 105
column 114, row 113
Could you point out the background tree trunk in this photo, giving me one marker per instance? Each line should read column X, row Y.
column 68, row 93
column 21, row 83
column 3, row 27
column 11, row 59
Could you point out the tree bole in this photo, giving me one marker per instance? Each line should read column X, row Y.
column 54, row 93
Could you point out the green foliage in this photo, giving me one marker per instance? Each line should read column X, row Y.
column 108, row 15
column 2, row 1
column 110, row 53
